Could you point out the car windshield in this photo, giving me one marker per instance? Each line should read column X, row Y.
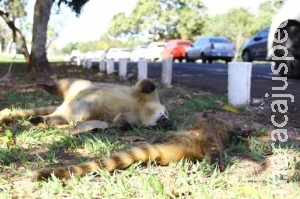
column 184, row 43
column 219, row 40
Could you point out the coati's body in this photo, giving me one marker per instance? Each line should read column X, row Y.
column 206, row 139
column 85, row 100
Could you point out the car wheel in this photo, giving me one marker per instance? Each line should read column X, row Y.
column 246, row 56
column 228, row 60
column 187, row 59
column 292, row 44
column 203, row 58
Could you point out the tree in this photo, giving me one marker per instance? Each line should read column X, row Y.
column 52, row 34
column 5, row 36
column 38, row 59
column 42, row 10
column 239, row 20
column 11, row 10
column 265, row 14
column 69, row 47
column 236, row 25
column 160, row 20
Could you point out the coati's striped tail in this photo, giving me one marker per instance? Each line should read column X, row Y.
column 160, row 153
column 27, row 113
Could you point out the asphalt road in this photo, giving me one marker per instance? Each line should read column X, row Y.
column 214, row 78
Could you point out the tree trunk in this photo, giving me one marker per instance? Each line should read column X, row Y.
column 38, row 57
column 238, row 45
column 17, row 35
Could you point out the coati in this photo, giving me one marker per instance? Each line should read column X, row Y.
column 206, row 139
column 85, row 100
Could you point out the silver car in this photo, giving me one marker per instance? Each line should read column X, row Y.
column 211, row 48
column 118, row 53
column 154, row 50
column 139, row 52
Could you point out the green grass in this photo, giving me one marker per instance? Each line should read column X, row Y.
column 9, row 58
column 252, row 170
column 21, row 59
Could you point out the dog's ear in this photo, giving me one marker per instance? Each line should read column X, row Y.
column 52, row 89
column 145, row 86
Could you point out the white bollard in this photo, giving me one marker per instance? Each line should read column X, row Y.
column 166, row 75
column 78, row 60
column 122, row 68
column 142, row 69
column 89, row 63
column 83, row 63
column 102, row 65
column 239, row 83
column 110, row 66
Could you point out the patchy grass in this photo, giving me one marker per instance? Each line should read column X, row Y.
column 8, row 58
column 253, row 169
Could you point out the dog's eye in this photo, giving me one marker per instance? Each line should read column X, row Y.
column 166, row 113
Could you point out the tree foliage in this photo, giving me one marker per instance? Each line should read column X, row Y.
column 15, row 8
column 75, row 5
column 236, row 25
column 160, row 20
column 100, row 44
column 37, row 60
column 239, row 24
column 266, row 13
column 154, row 20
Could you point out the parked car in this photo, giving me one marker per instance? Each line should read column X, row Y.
column 154, row 50
column 99, row 54
column 118, row 53
column 256, row 47
column 138, row 52
column 211, row 48
column 88, row 55
column 75, row 54
column 176, row 49
column 284, row 40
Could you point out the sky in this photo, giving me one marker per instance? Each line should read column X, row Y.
column 95, row 17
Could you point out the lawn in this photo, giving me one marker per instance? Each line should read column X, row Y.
column 253, row 170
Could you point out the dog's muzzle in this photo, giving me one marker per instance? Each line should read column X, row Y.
column 164, row 122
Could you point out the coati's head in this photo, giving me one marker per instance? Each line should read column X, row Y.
column 152, row 112
column 155, row 114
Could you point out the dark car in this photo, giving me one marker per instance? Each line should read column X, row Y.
column 256, row 47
